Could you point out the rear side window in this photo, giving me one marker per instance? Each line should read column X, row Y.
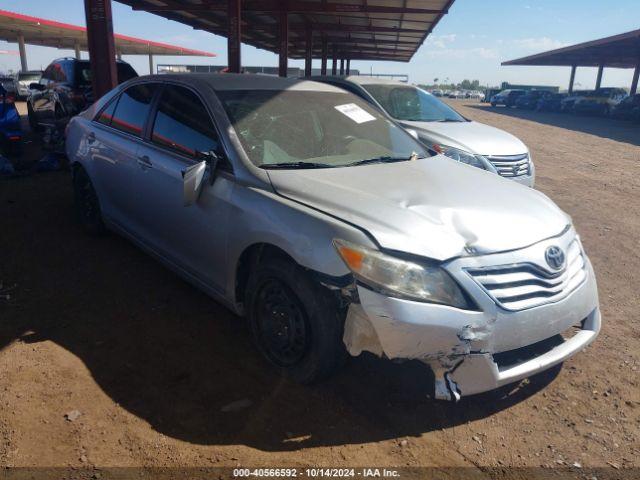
column 106, row 115
column 183, row 124
column 133, row 108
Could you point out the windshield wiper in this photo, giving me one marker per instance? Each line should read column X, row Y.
column 449, row 120
column 385, row 159
column 294, row 165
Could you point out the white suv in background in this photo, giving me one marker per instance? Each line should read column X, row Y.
column 443, row 130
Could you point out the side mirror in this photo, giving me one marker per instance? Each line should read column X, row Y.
column 211, row 158
column 192, row 182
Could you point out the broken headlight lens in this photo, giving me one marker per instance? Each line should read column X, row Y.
column 400, row 278
column 460, row 156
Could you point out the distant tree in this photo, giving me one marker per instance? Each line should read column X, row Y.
column 470, row 85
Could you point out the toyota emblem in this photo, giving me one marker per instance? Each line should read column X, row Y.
column 554, row 257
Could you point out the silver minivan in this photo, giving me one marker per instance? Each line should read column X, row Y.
column 443, row 130
column 332, row 230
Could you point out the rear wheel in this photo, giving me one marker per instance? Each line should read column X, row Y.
column 87, row 205
column 295, row 322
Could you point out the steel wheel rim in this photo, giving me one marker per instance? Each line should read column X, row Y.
column 282, row 323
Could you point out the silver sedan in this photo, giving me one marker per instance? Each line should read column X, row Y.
column 331, row 229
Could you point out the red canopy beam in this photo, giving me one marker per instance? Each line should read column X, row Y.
column 102, row 50
column 308, row 54
column 283, row 44
column 334, row 63
column 634, row 81
column 234, row 35
column 323, row 65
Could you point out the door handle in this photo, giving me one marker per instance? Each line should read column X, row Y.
column 145, row 162
column 91, row 137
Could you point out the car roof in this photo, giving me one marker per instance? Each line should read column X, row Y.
column 365, row 80
column 359, row 80
column 78, row 60
column 235, row 81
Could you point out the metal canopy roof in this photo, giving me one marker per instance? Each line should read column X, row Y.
column 619, row 51
column 358, row 29
column 39, row 31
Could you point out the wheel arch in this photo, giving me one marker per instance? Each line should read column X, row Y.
column 249, row 259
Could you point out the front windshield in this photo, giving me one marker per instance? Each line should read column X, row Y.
column 412, row 104
column 319, row 129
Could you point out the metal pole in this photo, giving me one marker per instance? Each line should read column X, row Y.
column 348, row 66
column 150, row 62
column 334, row 66
column 77, row 49
column 23, row 53
column 308, row 58
column 572, row 78
column 634, row 82
column 599, row 79
column 342, row 66
column 119, row 56
column 284, row 44
column 102, row 51
column 323, row 65
column 234, row 35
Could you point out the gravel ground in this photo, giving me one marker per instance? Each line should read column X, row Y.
column 108, row 359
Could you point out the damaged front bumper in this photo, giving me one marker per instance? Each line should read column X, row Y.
column 476, row 351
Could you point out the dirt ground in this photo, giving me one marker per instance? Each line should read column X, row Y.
column 108, row 359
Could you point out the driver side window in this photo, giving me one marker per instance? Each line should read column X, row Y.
column 182, row 123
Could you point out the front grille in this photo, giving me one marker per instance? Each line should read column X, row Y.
column 526, row 285
column 511, row 165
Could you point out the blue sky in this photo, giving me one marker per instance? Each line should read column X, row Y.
column 470, row 42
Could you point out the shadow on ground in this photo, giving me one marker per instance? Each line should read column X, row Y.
column 173, row 357
column 618, row 130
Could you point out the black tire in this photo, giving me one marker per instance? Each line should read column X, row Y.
column 295, row 322
column 87, row 205
column 32, row 119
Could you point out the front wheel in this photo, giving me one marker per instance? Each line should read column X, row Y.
column 87, row 205
column 295, row 322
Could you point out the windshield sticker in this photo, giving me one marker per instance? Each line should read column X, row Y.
column 355, row 113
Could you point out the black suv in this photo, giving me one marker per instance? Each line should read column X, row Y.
column 64, row 91
column 507, row 97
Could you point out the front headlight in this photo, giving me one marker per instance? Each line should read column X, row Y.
column 400, row 278
column 459, row 155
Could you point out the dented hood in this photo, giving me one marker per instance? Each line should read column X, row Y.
column 433, row 207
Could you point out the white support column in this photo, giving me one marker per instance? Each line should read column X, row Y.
column 77, row 48
column 119, row 55
column 23, row 53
